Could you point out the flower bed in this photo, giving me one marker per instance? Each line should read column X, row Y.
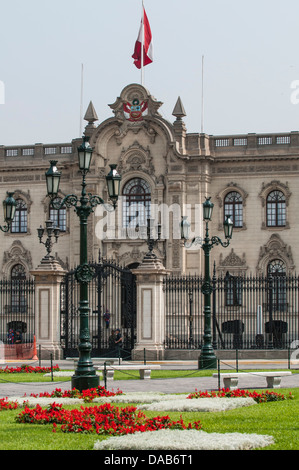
column 129, row 428
column 28, row 369
column 6, row 404
column 202, row 405
column 262, row 397
column 86, row 395
column 104, row 419
column 168, row 439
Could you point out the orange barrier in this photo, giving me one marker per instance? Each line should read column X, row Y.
column 19, row 351
column 34, row 358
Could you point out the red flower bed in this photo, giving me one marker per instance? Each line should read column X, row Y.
column 86, row 395
column 28, row 369
column 262, row 397
column 103, row 419
column 7, row 405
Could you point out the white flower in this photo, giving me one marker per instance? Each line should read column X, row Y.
column 139, row 397
column 167, row 439
column 45, row 401
column 201, row 404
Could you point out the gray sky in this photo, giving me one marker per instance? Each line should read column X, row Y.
column 251, row 59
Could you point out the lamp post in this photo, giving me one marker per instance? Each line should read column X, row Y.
column 9, row 209
column 207, row 359
column 85, row 375
column 51, row 231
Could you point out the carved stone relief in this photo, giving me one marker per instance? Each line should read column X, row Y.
column 15, row 255
column 275, row 248
column 232, row 263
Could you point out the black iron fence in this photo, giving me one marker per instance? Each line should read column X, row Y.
column 17, row 313
column 248, row 312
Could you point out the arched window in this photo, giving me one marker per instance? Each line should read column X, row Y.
column 276, row 267
column 233, row 206
column 276, row 209
column 58, row 216
column 136, row 202
column 19, row 223
column 18, row 272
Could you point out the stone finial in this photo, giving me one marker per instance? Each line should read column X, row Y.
column 179, row 110
column 91, row 115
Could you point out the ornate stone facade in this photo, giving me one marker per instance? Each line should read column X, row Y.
column 255, row 176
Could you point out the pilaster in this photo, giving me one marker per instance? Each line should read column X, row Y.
column 48, row 277
column 150, row 309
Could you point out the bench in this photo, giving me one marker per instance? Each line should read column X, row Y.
column 230, row 379
column 144, row 370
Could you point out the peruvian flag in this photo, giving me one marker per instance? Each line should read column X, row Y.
column 144, row 39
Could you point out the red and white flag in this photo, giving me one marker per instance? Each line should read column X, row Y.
column 144, row 41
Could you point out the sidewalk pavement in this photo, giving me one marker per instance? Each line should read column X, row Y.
column 186, row 384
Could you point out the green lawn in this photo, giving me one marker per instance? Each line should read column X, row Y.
column 278, row 419
column 118, row 375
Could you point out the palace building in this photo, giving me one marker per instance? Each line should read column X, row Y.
column 167, row 173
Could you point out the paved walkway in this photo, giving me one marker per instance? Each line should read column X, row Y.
column 186, row 384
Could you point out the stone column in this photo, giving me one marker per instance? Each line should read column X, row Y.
column 150, row 310
column 48, row 277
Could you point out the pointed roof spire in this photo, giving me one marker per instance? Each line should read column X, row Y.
column 91, row 115
column 179, row 110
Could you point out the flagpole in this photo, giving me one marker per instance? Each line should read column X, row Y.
column 202, row 92
column 142, row 44
column 81, row 102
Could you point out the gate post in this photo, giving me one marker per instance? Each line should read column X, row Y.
column 150, row 319
column 48, row 277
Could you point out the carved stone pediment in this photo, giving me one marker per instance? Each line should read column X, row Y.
column 135, row 103
column 275, row 248
column 232, row 261
column 133, row 109
column 136, row 158
column 17, row 254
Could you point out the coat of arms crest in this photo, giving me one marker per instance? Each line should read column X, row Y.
column 135, row 111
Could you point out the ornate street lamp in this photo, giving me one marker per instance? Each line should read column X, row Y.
column 9, row 209
column 85, row 375
column 51, row 231
column 151, row 241
column 146, row 233
column 207, row 358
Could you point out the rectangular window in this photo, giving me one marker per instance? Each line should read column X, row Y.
column 222, row 142
column 19, row 223
column 12, row 152
column 265, row 140
column 283, row 139
column 233, row 291
column 58, row 218
column 66, row 150
column 276, row 214
column 50, row 150
column 27, row 152
column 238, row 142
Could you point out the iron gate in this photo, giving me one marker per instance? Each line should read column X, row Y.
column 17, row 314
column 112, row 303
